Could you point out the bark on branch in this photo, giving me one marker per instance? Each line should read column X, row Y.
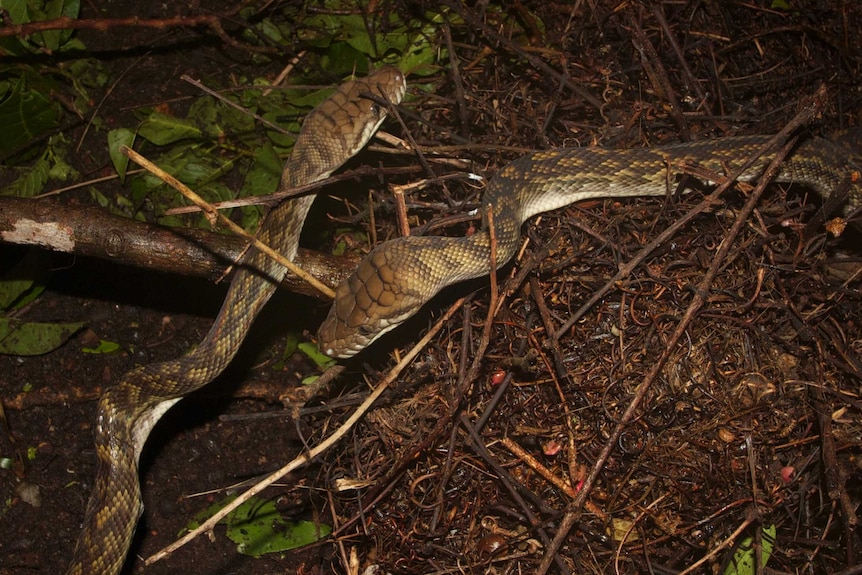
column 93, row 232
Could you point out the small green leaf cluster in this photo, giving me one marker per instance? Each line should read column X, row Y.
column 50, row 41
column 210, row 149
column 347, row 40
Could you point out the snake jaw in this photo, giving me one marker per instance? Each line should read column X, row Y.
column 364, row 115
column 375, row 299
column 345, row 344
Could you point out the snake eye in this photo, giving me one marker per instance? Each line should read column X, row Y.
column 376, row 110
column 365, row 330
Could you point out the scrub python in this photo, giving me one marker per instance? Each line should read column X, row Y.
column 400, row 275
column 332, row 133
column 396, row 278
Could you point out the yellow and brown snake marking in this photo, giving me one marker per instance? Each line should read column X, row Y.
column 399, row 276
column 127, row 412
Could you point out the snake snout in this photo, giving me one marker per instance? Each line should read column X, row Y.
column 391, row 83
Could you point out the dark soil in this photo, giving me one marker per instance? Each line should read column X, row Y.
column 755, row 416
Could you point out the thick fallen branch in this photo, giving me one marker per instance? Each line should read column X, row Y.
column 95, row 233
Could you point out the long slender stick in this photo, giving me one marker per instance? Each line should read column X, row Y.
column 573, row 512
column 213, row 215
column 314, row 452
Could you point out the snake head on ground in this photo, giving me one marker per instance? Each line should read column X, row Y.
column 380, row 295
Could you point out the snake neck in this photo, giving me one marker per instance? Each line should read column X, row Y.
column 549, row 180
column 399, row 276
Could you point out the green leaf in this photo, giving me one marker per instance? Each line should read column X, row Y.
column 30, row 182
column 101, row 199
column 163, row 130
column 18, row 14
column 261, row 179
column 258, row 528
column 21, row 338
column 117, row 139
column 56, row 155
column 421, row 54
column 271, row 31
column 744, row 558
column 24, row 12
column 265, row 173
column 104, row 347
column 345, row 36
column 53, row 40
column 349, row 239
column 12, row 289
column 25, row 114
column 320, row 359
column 51, row 165
column 17, row 10
column 341, row 56
column 35, row 292
column 290, row 346
column 204, row 113
column 204, row 514
column 25, row 281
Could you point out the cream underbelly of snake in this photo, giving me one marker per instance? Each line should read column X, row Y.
column 333, row 132
column 399, row 276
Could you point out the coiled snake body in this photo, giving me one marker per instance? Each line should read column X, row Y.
column 399, row 276
column 127, row 412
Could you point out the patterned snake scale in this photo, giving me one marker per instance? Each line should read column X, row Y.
column 330, row 135
column 399, row 276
